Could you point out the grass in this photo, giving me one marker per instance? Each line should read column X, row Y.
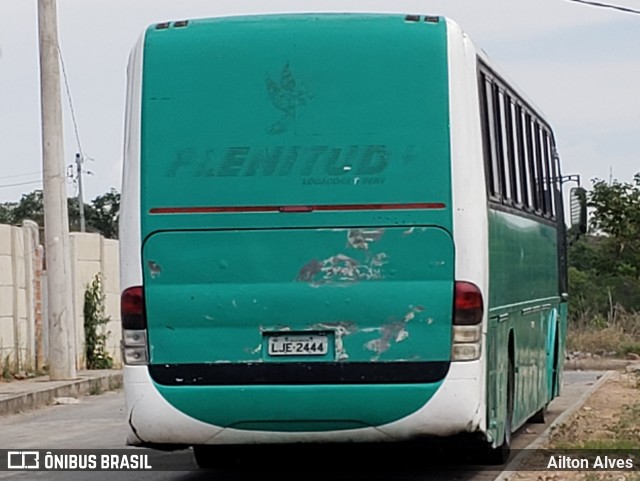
column 610, row 340
column 628, row 427
column 608, row 476
column 630, row 347
column 618, row 336
column 95, row 389
column 114, row 384
column 608, row 426
column 6, row 372
column 615, row 428
column 602, row 444
column 622, row 434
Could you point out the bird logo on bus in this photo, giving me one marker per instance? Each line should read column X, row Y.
column 286, row 96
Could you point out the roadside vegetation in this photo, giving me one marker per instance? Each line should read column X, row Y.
column 95, row 322
column 610, row 419
column 604, row 274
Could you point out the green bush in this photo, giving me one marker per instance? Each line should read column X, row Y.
column 95, row 322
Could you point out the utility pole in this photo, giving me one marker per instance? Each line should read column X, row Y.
column 79, row 161
column 62, row 352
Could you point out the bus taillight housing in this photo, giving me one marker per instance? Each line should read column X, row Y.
column 468, row 311
column 134, row 327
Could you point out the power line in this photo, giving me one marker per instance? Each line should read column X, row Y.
column 606, row 5
column 80, row 155
column 68, row 90
column 21, row 183
column 19, row 175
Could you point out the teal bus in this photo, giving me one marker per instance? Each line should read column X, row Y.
column 335, row 228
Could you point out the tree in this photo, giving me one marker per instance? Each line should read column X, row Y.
column 605, row 264
column 101, row 215
column 5, row 212
column 105, row 212
column 74, row 215
column 30, row 206
column 616, row 213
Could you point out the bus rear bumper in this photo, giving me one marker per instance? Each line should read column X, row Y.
column 152, row 420
column 456, row 407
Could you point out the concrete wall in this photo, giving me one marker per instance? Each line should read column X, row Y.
column 23, row 296
column 92, row 254
column 18, row 269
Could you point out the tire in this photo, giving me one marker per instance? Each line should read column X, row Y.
column 539, row 416
column 554, row 385
column 217, row 457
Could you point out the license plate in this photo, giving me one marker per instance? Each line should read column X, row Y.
column 298, row 345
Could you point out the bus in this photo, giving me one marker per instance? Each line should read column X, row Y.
column 335, row 228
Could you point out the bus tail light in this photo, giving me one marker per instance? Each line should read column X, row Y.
column 132, row 308
column 134, row 326
column 467, row 322
column 468, row 304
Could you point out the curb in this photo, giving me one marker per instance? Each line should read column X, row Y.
column 45, row 396
column 511, row 469
column 597, row 364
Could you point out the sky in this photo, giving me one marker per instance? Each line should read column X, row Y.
column 580, row 65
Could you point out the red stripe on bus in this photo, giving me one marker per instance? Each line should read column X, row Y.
column 295, row 208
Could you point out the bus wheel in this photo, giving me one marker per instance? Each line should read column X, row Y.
column 216, row 457
column 500, row 454
column 554, row 385
column 539, row 416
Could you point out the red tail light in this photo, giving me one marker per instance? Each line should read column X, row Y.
column 468, row 306
column 132, row 308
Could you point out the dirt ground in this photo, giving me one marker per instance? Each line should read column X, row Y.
column 610, row 419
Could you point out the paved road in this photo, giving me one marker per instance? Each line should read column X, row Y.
column 98, row 422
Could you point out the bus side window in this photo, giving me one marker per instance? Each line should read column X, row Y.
column 525, row 159
column 550, row 174
column 489, row 134
column 532, row 164
column 540, row 172
column 503, row 147
column 512, row 146
column 520, row 159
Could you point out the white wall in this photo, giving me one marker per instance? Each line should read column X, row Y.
column 23, row 316
column 17, row 297
column 92, row 254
